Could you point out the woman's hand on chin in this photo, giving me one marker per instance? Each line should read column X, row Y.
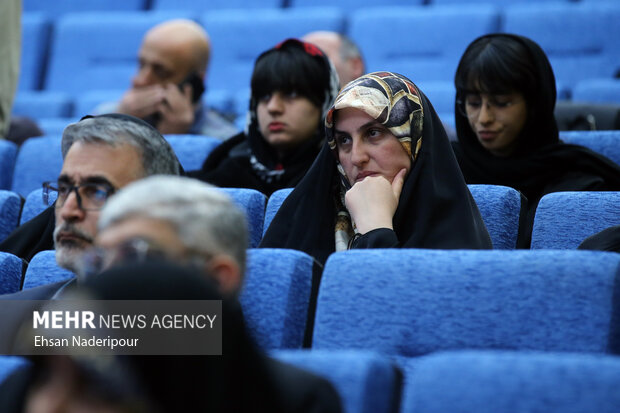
column 372, row 201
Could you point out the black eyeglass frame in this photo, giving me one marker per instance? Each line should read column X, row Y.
column 50, row 186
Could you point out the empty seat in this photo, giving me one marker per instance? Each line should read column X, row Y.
column 35, row 34
column 69, row 6
column 43, row 104
column 10, row 273
column 564, row 219
column 441, row 94
column 252, row 202
column 93, row 51
column 606, row 143
column 201, row 6
column 508, row 382
column 597, row 91
column 423, row 43
column 39, row 160
column 34, row 205
column 8, row 156
column 350, row 5
column 43, row 270
column 571, row 34
column 10, row 207
column 500, row 207
column 55, row 126
column 273, row 204
column 239, row 36
column 87, row 102
column 410, row 302
column 192, row 150
column 366, row 382
column 275, row 296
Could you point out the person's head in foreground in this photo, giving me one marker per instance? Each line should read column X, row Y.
column 343, row 53
column 386, row 178
column 181, row 219
column 506, row 96
column 101, row 155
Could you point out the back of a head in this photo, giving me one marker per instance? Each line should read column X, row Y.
column 114, row 129
column 205, row 219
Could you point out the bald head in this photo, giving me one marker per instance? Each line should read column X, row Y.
column 342, row 52
column 172, row 50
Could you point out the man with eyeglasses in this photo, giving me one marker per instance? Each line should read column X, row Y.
column 100, row 155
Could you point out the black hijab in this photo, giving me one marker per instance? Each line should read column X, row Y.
column 541, row 163
column 247, row 160
column 435, row 208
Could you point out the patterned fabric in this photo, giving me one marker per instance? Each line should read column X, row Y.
column 392, row 100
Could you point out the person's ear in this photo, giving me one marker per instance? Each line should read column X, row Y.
column 226, row 273
column 357, row 64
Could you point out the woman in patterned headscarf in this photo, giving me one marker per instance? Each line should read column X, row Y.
column 386, row 178
column 293, row 85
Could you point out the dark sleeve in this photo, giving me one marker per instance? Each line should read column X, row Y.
column 14, row 389
column 377, row 238
column 606, row 240
column 31, row 237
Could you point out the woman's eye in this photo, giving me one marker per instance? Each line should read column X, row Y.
column 342, row 140
column 373, row 133
column 292, row 95
column 501, row 103
column 473, row 103
column 265, row 98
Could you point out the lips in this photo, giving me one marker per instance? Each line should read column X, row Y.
column 72, row 238
column 276, row 126
column 360, row 176
column 487, row 135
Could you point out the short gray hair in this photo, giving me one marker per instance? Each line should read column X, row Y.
column 348, row 49
column 116, row 129
column 205, row 218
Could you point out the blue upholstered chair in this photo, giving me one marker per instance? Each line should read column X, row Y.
column 43, row 104
column 597, row 91
column 605, row 142
column 10, row 273
column 275, row 296
column 564, row 219
column 500, row 207
column 55, row 126
column 43, row 270
column 273, row 204
column 8, row 156
column 253, row 204
column 39, row 160
column 8, row 364
column 391, row 37
column 34, row 205
column 508, row 382
column 199, row 6
column 35, row 34
column 192, row 150
column 70, row 6
column 350, row 5
column 410, row 302
column 10, row 207
column 366, row 382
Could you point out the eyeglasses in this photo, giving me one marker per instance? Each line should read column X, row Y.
column 471, row 104
column 90, row 196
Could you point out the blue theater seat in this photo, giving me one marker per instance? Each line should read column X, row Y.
column 410, row 302
column 273, row 204
column 240, row 36
column 9, row 364
column 192, row 150
column 564, row 219
column 56, row 9
column 276, row 295
column 35, row 34
column 8, row 156
column 43, row 270
column 366, row 382
column 252, row 202
column 39, row 160
column 55, row 126
column 201, row 6
column 423, row 43
column 351, row 5
column 34, row 205
column 509, row 382
column 605, row 142
column 10, row 207
column 597, row 91
column 10, row 273
column 43, row 104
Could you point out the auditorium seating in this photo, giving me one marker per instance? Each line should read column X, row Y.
column 252, row 202
column 10, row 273
column 597, row 91
column 199, row 6
column 366, row 382
column 43, row 270
column 273, row 204
column 8, row 156
column 509, row 382
column 9, row 364
column 34, row 205
column 39, row 160
column 351, row 5
column 35, row 37
column 275, row 296
column 605, row 142
column 43, row 104
column 57, row 9
column 192, row 150
column 564, row 219
column 500, row 207
column 10, row 207
column 407, row 303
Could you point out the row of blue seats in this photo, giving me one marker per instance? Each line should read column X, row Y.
column 410, row 302
column 41, row 105
column 94, row 51
column 23, row 169
column 457, row 381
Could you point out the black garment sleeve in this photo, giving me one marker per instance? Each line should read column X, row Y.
column 31, row 237
column 377, row 238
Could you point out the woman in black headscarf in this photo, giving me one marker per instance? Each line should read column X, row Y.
column 293, row 85
column 386, row 178
column 507, row 133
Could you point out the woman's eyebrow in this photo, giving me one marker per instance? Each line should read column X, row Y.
column 365, row 126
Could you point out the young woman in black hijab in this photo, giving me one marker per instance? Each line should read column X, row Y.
column 293, row 85
column 386, row 178
column 507, row 133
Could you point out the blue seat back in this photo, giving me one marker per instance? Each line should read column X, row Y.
column 606, row 143
column 411, row 302
column 8, row 156
column 192, row 150
column 506, row 382
column 200, row 6
column 43, row 104
column 35, row 34
column 275, row 296
column 597, row 91
column 273, row 204
column 58, row 9
column 352, row 373
column 10, row 273
column 252, row 202
column 34, row 205
column 44, row 270
column 10, row 208
column 564, row 219
column 500, row 207
column 38, row 160
column 9, row 364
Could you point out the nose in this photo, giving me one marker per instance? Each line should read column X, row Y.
column 486, row 114
column 70, row 211
column 144, row 77
column 275, row 103
column 359, row 154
